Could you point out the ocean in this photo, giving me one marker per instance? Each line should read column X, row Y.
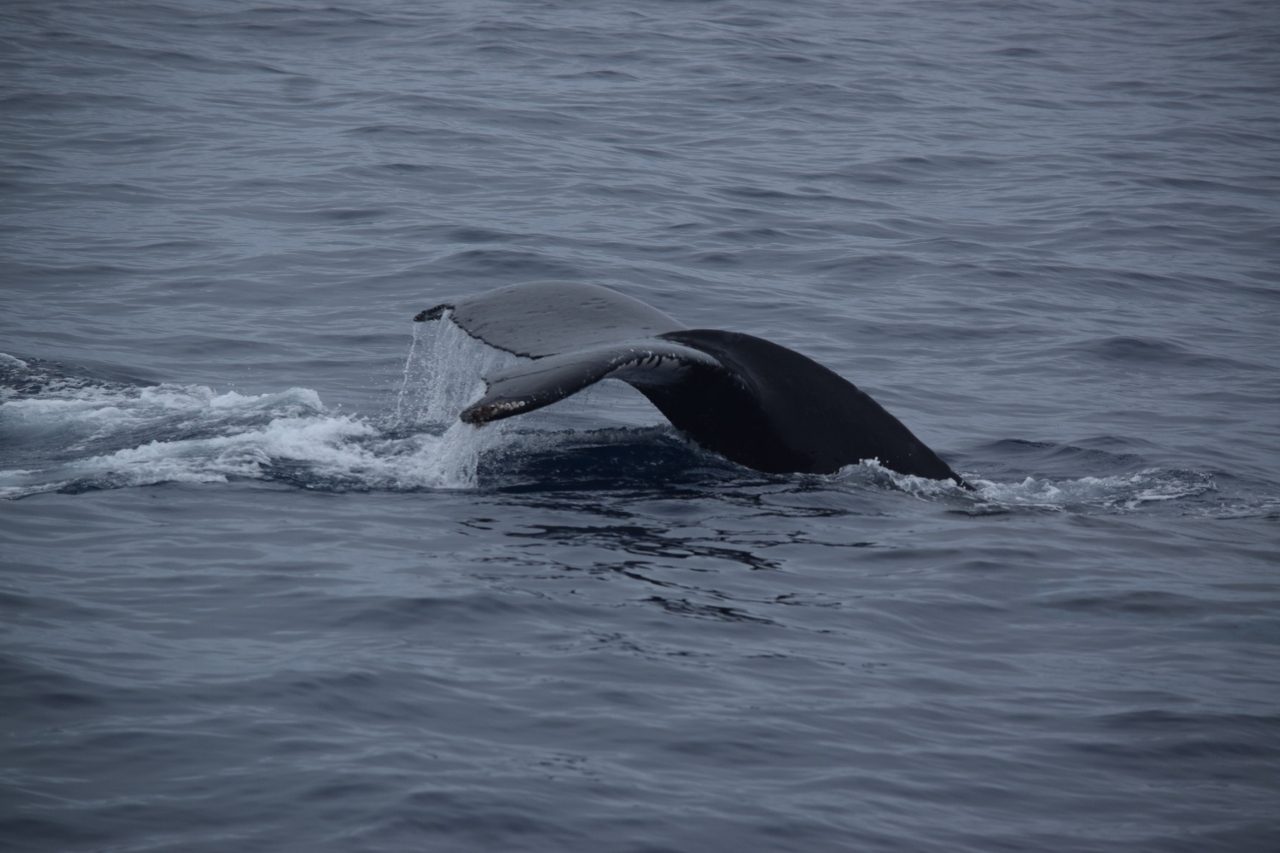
column 261, row 591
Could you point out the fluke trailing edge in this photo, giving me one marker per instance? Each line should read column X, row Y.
column 755, row 402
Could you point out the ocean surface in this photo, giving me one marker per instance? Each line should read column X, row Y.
column 261, row 591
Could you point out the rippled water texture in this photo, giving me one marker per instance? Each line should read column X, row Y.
column 260, row 590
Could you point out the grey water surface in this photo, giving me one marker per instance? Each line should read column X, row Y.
column 260, row 591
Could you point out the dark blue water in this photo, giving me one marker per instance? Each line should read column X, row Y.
column 260, row 592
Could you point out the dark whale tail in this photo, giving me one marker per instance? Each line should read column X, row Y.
column 755, row 402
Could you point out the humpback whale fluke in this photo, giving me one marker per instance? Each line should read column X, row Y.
column 755, row 402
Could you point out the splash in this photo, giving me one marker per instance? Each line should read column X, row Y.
column 71, row 434
column 442, row 373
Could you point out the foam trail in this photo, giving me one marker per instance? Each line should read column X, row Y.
column 76, row 434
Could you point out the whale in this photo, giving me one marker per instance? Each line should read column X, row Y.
column 754, row 402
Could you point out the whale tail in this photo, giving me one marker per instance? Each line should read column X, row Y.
column 754, row 402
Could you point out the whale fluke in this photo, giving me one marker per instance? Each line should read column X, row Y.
column 755, row 402
column 546, row 318
column 646, row 365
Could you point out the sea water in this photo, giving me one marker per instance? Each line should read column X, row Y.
column 262, row 591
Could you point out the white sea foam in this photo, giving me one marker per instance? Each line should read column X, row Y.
column 322, row 450
column 86, row 435
column 1120, row 491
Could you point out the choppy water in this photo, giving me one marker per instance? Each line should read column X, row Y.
column 261, row 592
